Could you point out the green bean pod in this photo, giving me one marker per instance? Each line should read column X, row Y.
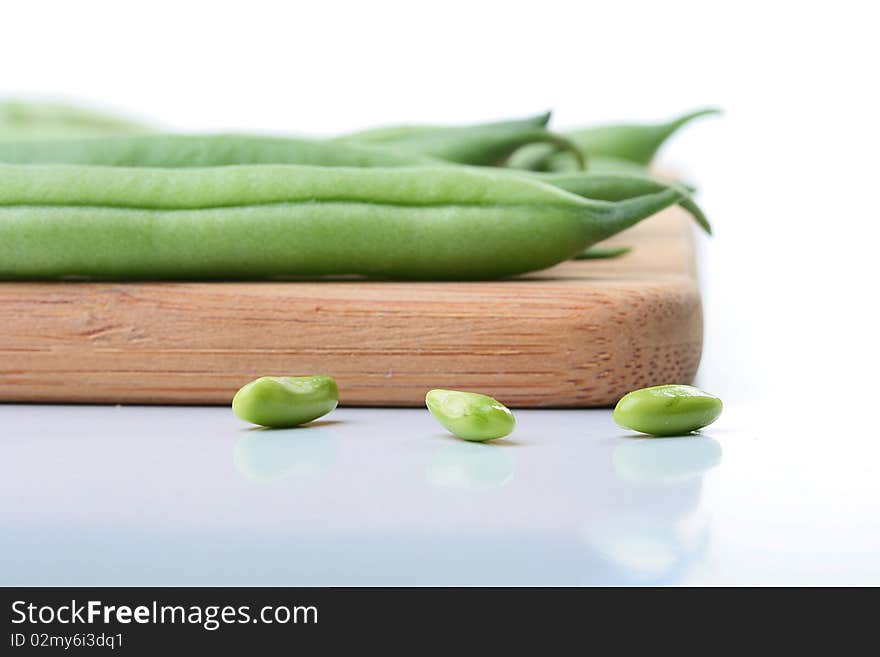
column 36, row 120
column 492, row 148
column 635, row 142
column 616, row 187
column 180, row 151
column 254, row 222
column 628, row 142
column 486, row 144
column 600, row 252
column 542, row 158
column 183, row 151
column 176, row 151
column 390, row 134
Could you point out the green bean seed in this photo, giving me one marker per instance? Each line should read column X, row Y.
column 285, row 401
column 469, row 415
column 668, row 410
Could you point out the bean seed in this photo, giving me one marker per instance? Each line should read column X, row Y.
column 285, row 401
column 469, row 415
column 669, row 410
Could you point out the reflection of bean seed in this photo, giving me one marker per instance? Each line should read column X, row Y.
column 285, row 401
column 268, row 456
column 670, row 410
column 663, row 462
column 470, row 415
column 470, row 466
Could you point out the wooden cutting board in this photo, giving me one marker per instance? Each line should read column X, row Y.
column 580, row 334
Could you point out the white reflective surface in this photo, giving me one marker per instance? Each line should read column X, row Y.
column 139, row 495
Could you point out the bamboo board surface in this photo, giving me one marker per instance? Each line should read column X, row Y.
column 580, row 334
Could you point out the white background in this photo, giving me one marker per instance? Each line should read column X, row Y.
column 788, row 175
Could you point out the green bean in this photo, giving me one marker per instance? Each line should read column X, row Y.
column 32, row 120
column 619, row 187
column 545, row 158
column 391, row 134
column 386, row 133
column 635, row 142
column 469, row 415
column 172, row 150
column 180, row 151
column 175, row 151
column 477, row 144
column 615, row 144
column 249, row 222
column 486, row 144
column 605, row 164
column 541, row 157
column 493, row 148
column 602, row 252
column 183, row 151
column 285, row 401
column 668, row 410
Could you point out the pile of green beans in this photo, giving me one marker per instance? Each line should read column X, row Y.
column 405, row 202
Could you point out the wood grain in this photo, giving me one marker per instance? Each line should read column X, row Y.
column 580, row 334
